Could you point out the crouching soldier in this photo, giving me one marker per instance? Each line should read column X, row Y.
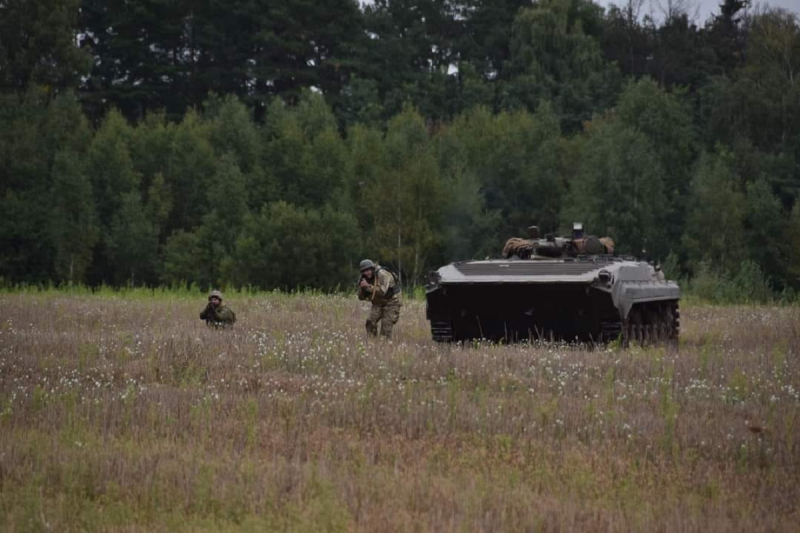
column 216, row 314
column 380, row 287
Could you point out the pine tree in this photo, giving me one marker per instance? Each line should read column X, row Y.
column 38, row 45
column 556, row 57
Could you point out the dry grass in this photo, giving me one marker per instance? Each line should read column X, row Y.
column 130, row 415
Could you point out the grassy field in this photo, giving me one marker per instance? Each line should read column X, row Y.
column 128, row 414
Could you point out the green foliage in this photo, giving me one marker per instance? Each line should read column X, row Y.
column 189, row 170
column 359, row 103
column 618, row 189
column 516, row 160
column 73, row 222
column 132, row 242
column 747, row 284
column 666, row 120
column 38, row 45
column 405, row 200
column 304, row 151
column 183, row 260
column 555, row 58
column 423, row 131
column 36, row 131
column 289, row 247
column 233, row 132
column 793, row 247
column 111, row 167
column 764, row 224
column 715, row 225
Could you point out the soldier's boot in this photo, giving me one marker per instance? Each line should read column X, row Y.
column 386, row 329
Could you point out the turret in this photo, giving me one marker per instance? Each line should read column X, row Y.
column 556, row 247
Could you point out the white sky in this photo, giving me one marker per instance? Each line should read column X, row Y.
column 703, row 8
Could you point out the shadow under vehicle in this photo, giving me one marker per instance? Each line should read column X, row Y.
column 571, row 289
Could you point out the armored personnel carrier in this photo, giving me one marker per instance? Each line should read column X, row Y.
column 571, row 289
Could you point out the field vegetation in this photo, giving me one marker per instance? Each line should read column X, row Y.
column 128, row 414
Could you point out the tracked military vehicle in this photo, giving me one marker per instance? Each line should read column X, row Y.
column 571, row 289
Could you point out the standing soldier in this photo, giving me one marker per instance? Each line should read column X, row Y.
column 216, row 314
column 380, row 287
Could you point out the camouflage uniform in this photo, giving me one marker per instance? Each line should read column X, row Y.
column 385, row 310
column 221, row 316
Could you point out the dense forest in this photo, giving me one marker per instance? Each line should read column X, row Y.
column 275, row 143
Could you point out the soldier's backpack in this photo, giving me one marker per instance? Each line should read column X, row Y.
column 396, row 287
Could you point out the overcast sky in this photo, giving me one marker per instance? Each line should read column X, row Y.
column 703, row 8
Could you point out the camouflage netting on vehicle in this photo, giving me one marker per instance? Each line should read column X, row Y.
column 522, row 248
column 525, row 248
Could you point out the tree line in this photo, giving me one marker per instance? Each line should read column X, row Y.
column 274, row 144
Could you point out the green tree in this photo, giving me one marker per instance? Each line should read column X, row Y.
column 38, row 45
column 189, row 172
column 555, row 56
column 483, row 47
column 409, row 53
column 727, row 36
column 288, row 247
column 366, row 160
column 626, row 41
column 150, row 144
column 184, row 260
column 305, row 152
column 715, row 224
column 359, row 103
column 36, row 128
column 132, row 243
column 111, row 167
column 72, row 220
column 772, row 75
column 516, row 158
column 142, row 60
column 203, row 255
column 158, row 204
column 680, row 56
column 756, row 111
column 765, row 225
column 619, row 189
column 792, row 239
column 217, row 235
column 469, row 227
column 406, row 202
column 232, row 131
column 666, row 121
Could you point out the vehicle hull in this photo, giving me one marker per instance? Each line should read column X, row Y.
column 592, row 301
column 516, row 312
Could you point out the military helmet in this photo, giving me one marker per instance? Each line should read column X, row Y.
column 215, row 294
column 365, row 264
